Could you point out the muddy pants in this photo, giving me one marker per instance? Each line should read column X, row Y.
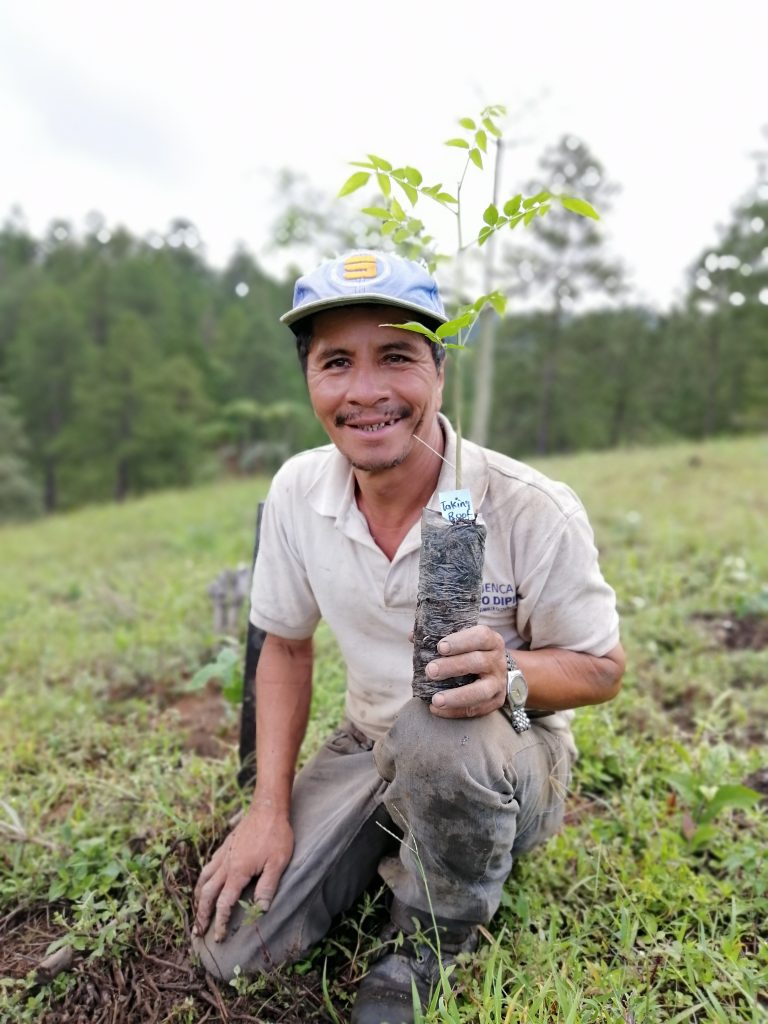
column 466, row 795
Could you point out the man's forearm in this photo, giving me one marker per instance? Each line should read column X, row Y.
column 556, row 678
column 283, row 695
column 559, row 679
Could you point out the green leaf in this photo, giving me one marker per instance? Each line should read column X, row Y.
column 499, row 302
column 232, row 689
column 415, row 225
column 514, row 221
column 729, row 796
column 482, row 140
column 376, row 211
column 491, row 215
column 544, row 208
column 702, row 835
column 468, row 123
column 400, row 235
column 459, row 143
column 446, row 197
column 384, row 184
column 377, row 161
column 477, row 160
column 528, row 217
column 454, row 326
column 580, row 206
column 397, row 211
column 417, row 328
column 389, row 227
column 484, row 235
column 203, row 676
column 540, row 197
column 513, row 205
column 361, row 163
column 491, row 127
column 410, row 191
column 413, row 176
column 353, row 183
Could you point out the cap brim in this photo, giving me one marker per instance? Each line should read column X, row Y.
column 370, row 298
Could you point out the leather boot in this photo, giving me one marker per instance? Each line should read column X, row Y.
column 386, row 994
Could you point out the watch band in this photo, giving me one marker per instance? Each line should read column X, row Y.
column 517, row 715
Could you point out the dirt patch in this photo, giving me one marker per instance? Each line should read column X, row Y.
column 759, row 781
column 208, row 725
column 736, row 633
column 204, row 720
column 154, row 980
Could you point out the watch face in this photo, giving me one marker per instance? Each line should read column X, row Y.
column 517, row 688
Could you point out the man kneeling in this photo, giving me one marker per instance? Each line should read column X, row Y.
column 470, row 780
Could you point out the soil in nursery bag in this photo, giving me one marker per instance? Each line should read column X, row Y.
column 448, row 599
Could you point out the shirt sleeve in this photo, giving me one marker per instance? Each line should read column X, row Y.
column 563, row 600
column 282, row 601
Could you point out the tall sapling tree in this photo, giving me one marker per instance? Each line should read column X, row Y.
column 452, row 538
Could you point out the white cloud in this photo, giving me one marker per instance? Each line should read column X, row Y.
column 154, row 110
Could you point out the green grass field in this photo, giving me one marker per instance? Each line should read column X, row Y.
column 116, row 776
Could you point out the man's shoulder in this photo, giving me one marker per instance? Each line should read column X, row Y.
column 511, row 477
column 305, row 467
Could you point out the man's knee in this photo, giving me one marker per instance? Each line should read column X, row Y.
column 422, row 744
column 218, row 958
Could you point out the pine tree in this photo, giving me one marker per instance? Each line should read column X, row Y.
column 556, row 266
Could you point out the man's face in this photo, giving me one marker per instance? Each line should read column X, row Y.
column 372, row 387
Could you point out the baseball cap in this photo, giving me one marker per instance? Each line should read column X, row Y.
column 367, row 275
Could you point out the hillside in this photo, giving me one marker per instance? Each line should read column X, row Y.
column 117, row 771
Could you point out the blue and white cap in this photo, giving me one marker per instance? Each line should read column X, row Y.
column 367, row 276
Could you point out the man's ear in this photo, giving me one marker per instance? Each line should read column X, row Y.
column 440, row 383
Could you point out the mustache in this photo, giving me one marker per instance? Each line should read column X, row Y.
column 389, row 412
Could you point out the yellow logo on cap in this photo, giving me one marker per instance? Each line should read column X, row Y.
column 358, row 267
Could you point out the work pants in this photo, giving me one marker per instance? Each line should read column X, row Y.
column 466, row 796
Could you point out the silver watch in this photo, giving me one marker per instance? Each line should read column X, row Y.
column 517, row 695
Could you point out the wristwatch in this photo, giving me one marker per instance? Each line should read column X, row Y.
column 517, row 694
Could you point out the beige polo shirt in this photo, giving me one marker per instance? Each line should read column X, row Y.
column 542, row 585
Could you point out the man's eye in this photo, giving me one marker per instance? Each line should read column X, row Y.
column 335, row 364
column 396, row 357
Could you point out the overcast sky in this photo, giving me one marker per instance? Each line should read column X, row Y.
column 147, row 111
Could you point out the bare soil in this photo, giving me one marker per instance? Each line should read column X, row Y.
column 736, row 633
column 155, row 980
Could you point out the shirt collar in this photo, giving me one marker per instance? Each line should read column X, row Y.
column 332, row 491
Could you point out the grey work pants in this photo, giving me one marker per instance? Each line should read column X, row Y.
column 467, row 795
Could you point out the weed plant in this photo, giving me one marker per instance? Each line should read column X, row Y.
column 650, row 905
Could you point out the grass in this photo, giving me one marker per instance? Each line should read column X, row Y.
column 652, row 903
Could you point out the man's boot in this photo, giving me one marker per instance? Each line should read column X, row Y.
column 385, row 995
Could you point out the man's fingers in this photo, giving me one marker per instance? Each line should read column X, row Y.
column 476, row 663
column 208, row 871
column 476, row 638
column 266, row 887
column 224, row 905
column 476, row 694
column 206, row 896
column 464, row 710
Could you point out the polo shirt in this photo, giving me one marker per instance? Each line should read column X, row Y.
column 542, row 585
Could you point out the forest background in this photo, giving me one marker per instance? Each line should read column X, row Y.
column 130, row 363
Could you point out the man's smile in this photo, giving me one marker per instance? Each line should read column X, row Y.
column 372, row 424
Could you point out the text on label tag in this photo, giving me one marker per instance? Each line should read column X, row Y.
column 455, row 505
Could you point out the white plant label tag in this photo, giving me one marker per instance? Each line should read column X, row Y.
column 456, row 505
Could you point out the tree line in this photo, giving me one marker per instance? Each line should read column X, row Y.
column 130, row 363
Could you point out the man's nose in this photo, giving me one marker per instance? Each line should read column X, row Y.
column 367, row 385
